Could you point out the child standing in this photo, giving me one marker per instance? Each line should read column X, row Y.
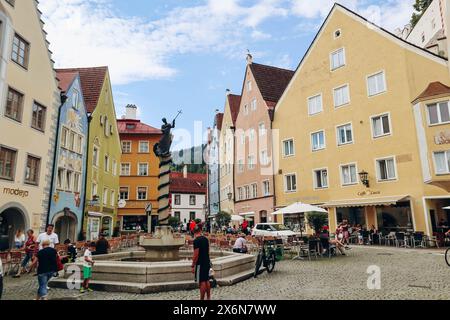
column 87, row 267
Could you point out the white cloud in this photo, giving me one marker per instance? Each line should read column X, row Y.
column 318, row 8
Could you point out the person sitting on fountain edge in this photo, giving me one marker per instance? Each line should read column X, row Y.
column 201, row 264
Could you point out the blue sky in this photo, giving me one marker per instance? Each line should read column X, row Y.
column 183, row 54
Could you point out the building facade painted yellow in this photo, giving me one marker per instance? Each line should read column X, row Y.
column 29, row 103
column 347, row 111
column 226, row 153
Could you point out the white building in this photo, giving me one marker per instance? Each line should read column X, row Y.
column 432, row 29
column 188, row 192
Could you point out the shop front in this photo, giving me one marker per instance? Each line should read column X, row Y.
column 130, row 223
column 438, row 214
column 12, row 219
column 249, row 217
column 99, row 223
column 66, row 225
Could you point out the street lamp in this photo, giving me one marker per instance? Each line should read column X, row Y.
column 364, row 177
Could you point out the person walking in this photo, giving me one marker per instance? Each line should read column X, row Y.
column 47, row 267
column 48, row 235
column 102, row 246
column 201, row 264
column 30, row 248
column 19, row 239
column 87, row 267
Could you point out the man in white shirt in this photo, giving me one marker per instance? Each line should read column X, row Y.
column 48, row 235
column 240, row 246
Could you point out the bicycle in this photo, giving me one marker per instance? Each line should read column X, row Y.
column 447, row 256
column 266, row 256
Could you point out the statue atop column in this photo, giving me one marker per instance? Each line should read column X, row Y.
column 162, row 149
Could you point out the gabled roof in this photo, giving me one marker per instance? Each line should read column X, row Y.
column 218, row 121
column 92, row 80
column 434, row 89
column 139, row 127
column 271, row 81
column 65, row 79
column 235, row 103
column 195, row 183
column 374, row 28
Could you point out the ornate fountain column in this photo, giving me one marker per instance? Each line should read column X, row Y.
column 163, row 245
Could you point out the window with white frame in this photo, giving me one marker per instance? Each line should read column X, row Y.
column 386, row 169
column 381, row 125
column 337, row 59
column 262, row 129
column 249, row 85
column 438, row 113
column 349, row 174
column 60, row 179
column 142, row 193
column 106, row 164
column 113, row 198
column 341, row 96
column 124, row 193
column 321, row 179
column 264, row 158
column 192, row 200
column 442, row 162
column 254, row 104
column 266, row 188
column 247, row 192
column 177, row 200
column 345, row 134
column 288, row 148
column 143, row 147
column 318, row 140
column 240, row 194
column 105, row 196
column 315, row 105
column 143, row 169
column 80, row 144
column 95, row 155
column 290, row 183
column 94, row 190
column 246, row 110
column 255, row 190
column 251, row 162
column 64, row 137
column 241, row 165
column 126, row 146
column 125, row 169
column 251, row 135
column 114, row 167
column 77, row 182
column 242, row 138
column 376, row 84
column 69, row 181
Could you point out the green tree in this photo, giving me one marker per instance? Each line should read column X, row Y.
column 223, row 218
column 317, row 220
column 174, row 222
column 420, row 7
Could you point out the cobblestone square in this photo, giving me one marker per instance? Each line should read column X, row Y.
column 405, row 274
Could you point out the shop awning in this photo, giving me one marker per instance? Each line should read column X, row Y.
column 383, row 201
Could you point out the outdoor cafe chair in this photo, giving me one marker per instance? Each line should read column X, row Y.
column 418, row 240
column 400, row 240
column 390, row 238
column 313, row 249
column 431, row 239
column 16, row 258
column 4, row 256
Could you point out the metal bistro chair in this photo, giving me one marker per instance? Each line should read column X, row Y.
column 313, row 248
column 390, row 238
column 400, row 240
column 418, row 240
column 375, row 238
column 16, row 258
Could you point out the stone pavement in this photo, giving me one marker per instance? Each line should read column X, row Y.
column 405, row 274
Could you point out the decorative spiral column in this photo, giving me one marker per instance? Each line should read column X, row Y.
column 164, row 190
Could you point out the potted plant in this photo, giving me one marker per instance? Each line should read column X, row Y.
column 317, row 220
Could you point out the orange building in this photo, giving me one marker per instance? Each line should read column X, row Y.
column 139, row 169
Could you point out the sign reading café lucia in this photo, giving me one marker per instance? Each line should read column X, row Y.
column 16, row 192
column 369, row 193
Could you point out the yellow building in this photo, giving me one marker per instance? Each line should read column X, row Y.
column 347, row 132
column 226, row 153
column 29, row 104
column 104, row 153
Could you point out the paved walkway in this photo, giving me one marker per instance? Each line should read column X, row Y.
column 405, row 274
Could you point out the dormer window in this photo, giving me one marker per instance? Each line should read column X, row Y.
column 131, row 126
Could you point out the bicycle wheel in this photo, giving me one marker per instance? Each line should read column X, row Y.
column 447, row 256
column 259, row 261
column 270, row 264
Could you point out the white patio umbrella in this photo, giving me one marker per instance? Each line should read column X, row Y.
column 235, row 217
column 299, row 207
column 446, row 208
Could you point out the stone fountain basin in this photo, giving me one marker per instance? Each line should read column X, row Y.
column 112, row 273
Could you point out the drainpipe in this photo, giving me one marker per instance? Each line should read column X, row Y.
column 89, row 118
column 52, row 182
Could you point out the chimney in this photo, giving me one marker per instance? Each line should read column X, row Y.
column 228, row 92
column 131, row 112
column 185, row 171
column 249, row 59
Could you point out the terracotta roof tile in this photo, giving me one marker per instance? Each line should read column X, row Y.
column 271, row 81
column 434, row 89
column 65, row 79
column 195, row 183
column 235, row 103
column 139, row 127
column 92, row 80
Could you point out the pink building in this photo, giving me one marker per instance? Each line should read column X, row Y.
column 263, row 87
